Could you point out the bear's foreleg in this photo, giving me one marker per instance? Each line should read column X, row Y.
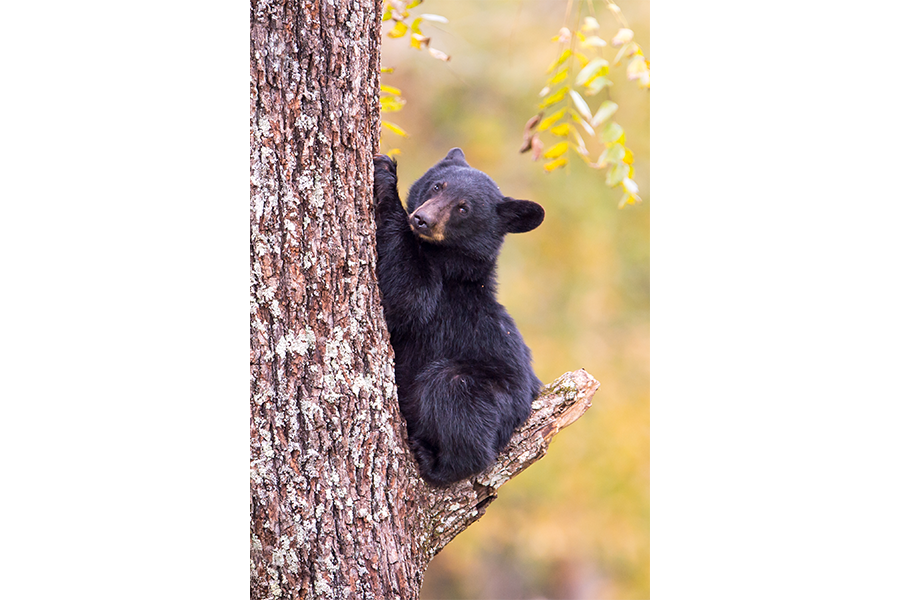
column 410, row 287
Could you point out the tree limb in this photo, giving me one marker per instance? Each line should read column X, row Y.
column 559, row 405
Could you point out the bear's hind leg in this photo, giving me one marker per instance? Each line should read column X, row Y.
column 459, row 412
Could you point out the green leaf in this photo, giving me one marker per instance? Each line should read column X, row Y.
column 606, row 110
column 557, row 150
column 596, row 85
column 553, row 165
column 612, row 132
column 395, row 128
column 627, row 50
column 580, row 104
column 595, row 68
column 616, row 174
column 549, row 121
column 616, row 153
column 554, row 98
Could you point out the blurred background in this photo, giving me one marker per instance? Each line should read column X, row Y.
column 577, row 523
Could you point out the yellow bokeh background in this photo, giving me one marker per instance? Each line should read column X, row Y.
column 576, row 524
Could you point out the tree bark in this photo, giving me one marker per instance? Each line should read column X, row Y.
column 337, row 507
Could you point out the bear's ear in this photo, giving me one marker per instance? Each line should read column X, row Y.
column 519, row 216
column 455, row 157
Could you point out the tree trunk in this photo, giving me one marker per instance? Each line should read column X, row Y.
column 337, row 507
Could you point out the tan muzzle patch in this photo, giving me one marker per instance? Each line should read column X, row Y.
column 429, row 221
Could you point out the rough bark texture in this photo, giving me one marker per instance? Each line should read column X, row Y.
column 337, row 507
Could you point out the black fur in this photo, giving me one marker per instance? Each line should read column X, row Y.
column 463, row 371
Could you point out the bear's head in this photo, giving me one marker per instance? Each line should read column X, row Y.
column 456, row 206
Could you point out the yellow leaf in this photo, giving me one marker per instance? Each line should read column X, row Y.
column 417, row 40
column 389, row 89
column 562, row 58
column 554, row 98
column 549, row 121
column 399, row 30
column 395, row 128
column 391, row 103
column 553, row 165
column 559, row 76
column 557, row 150
column 629, row 199
column 593, row 69
column 560, row 130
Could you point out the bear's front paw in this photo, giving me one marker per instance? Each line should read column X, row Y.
column 385, row 178
column 385, row 163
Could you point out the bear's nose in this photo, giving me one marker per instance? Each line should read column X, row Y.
column 420, row 222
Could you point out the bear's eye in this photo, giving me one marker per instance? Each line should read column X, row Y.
column 463, row 209
column 436, row 188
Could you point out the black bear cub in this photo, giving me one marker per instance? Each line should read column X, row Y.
column 463, row 372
